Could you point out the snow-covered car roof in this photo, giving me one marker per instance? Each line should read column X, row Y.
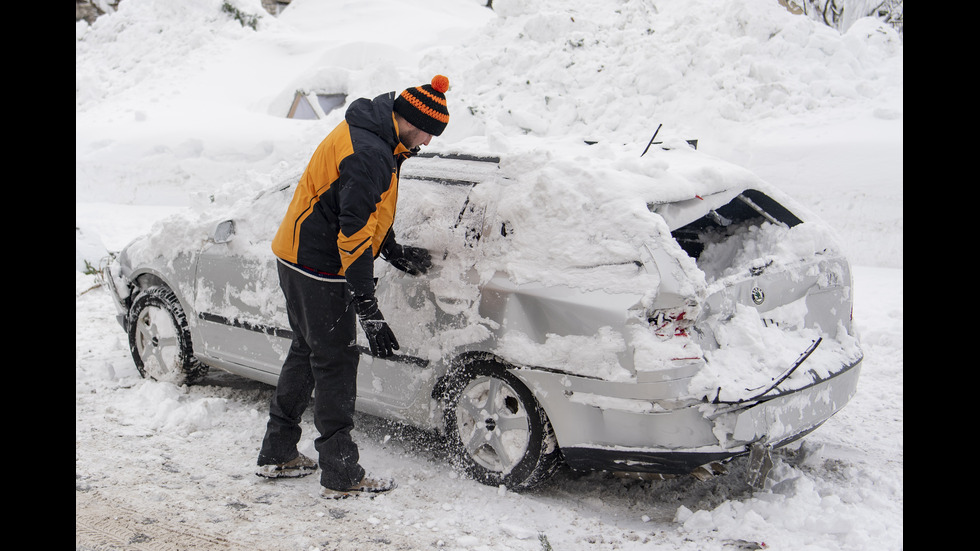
column 568, row 208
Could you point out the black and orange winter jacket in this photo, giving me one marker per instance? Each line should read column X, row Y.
column 344, row 205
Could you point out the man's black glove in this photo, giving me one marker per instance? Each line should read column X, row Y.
column 379, row 335
column 412, row 260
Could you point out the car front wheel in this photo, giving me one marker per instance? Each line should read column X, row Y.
column 160, row 340
column 497, row 432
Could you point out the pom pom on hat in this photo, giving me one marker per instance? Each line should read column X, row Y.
column 440, row 83
column 425, row 106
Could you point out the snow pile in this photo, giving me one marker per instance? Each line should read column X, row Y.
column 755, row 350
column 613, row 71
column 760, row 246
column 567, row 208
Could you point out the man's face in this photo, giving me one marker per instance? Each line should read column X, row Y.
column 412, row 137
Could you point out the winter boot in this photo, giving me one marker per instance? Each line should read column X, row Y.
column 368, row 485
column 300, row 466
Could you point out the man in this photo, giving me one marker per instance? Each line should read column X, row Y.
column 339, row 220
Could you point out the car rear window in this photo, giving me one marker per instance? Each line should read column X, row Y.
column 748, row 209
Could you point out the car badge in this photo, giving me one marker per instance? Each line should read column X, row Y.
column 758, row 297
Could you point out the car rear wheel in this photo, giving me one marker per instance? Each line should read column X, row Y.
column 160, row 340
column 497, row 431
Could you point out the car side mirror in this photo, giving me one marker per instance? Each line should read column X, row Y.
column 224, row 232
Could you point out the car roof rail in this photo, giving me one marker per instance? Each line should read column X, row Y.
column 460, row 157
column 455, row 169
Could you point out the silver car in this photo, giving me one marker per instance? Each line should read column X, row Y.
column 660, row 323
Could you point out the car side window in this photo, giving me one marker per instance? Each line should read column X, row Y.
column 457, row 192
column 471, row 221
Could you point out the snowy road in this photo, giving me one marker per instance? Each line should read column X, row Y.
column 162, row 467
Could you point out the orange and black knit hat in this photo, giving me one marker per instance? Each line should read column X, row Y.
column 425, row 106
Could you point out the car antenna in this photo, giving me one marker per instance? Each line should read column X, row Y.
column 651, row 139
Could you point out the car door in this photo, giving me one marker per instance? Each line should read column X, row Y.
column 242, row 322
column 423, row 310
column 242, row 316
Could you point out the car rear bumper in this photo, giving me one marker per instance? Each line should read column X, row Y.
column 652, row 461
column 635, row 435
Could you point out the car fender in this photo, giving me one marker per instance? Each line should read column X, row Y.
column 177, row 275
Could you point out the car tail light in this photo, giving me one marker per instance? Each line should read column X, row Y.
column 675, row 324
column 671, row 322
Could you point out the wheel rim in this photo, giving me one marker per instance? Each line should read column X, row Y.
column 493, row 424
column 157, row 342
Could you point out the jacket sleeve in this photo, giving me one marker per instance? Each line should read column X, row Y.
column 362, row 180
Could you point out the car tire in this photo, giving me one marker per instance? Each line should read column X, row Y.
column 497, row 432
column 160, row 340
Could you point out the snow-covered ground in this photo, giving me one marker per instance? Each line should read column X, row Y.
column 176, row 101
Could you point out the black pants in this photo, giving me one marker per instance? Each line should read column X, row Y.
column 323, row 357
